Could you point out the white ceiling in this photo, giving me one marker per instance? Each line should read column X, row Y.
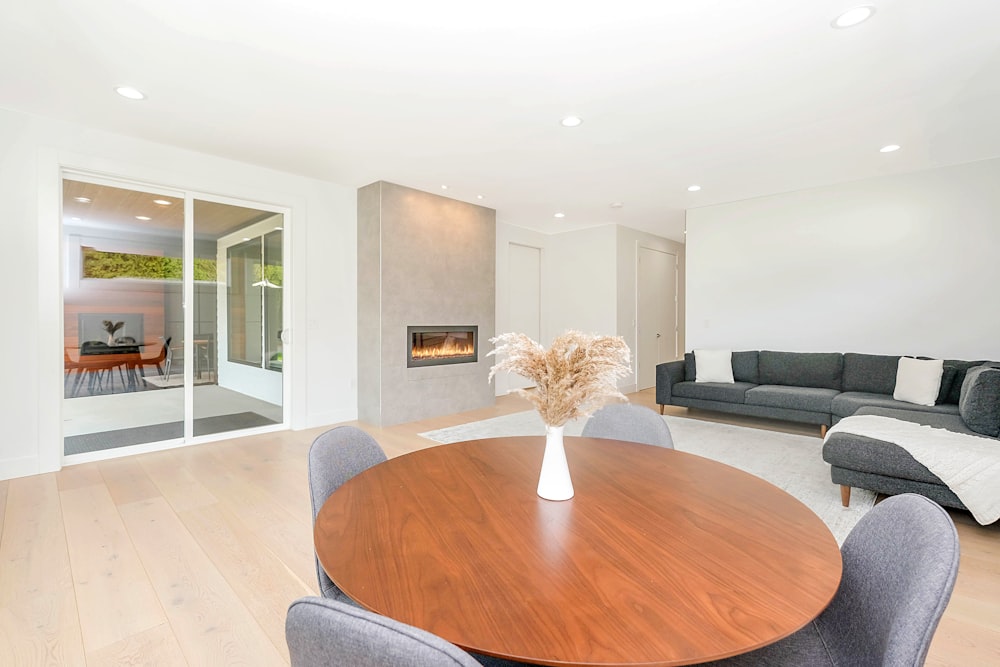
column 743, row 98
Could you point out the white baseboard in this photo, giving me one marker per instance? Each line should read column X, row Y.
column 327, row 418
column 19, row 467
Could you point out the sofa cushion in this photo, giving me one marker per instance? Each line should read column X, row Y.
column 847, row 403
column 859, row 452
column 813, row 399
column 744, row 366
column 958, row 368
column 729, row 392
column 948, row 375
column 870, row 373
column 918, row 380
column 802, row 369
column 979, row 403
column 713, row 365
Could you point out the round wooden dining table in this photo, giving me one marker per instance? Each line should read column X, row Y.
column 660, row 558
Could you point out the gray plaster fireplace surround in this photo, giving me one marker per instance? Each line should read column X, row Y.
column 426, row 267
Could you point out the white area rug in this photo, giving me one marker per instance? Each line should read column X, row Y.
column 791, row 462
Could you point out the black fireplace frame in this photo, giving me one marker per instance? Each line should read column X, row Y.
column 467, row 359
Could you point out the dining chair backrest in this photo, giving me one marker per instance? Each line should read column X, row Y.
column 900, row 564
column 335, row 457
column 625, row 421
column 162, row 355
column 323, row 632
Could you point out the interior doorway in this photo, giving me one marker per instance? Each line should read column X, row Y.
column 656, row 308
column 525, row 309
column 144, row 355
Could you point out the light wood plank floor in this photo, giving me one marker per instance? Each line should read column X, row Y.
column 191, row 557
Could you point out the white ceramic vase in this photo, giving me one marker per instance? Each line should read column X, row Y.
column 554, row 482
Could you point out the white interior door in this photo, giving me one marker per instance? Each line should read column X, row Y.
column 525, row 312
column 656, row 322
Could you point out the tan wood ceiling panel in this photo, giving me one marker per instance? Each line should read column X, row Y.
column 118, row 207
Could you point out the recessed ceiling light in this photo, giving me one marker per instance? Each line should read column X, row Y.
column 560, row 215
column 479, row 196
column 853, row 17
column 130, row 93
column 571, row 121
column 444, row 187
column 616, row 204
column 891, row 148
column 694, row 188
column 162, row 202
column 143, row 217
column 82, row 200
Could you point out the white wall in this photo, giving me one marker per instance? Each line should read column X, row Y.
column 321, row 229
column 582, row 282
column 904, row 264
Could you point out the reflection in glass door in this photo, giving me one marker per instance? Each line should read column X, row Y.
column 122, row 314
column 156, row 349
column 237, row 346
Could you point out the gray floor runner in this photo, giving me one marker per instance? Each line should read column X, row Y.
column 92, row 442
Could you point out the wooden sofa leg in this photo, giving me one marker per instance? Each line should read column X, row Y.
column 845, row 495
column 661, row 409
column 822, row 430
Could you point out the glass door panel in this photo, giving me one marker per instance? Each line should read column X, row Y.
column 123, row 314
column 236, row 346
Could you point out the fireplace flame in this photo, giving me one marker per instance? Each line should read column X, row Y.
column 451, row 347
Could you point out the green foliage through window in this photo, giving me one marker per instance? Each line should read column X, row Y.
column 108, row 265
column 274, row 274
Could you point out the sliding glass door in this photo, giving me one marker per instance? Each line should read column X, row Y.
column 122, row 315
column 173, row 316
column 238, row 365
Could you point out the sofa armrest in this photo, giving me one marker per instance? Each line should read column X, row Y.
column 667, row 375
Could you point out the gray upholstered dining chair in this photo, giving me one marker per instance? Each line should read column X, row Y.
column 634, row 423
column 323, row 632
column 900, row 564
column 335, row 457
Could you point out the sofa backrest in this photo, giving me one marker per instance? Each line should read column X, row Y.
column 956, row 369
column 802, row 369
column 744, row 366
column 871, row 373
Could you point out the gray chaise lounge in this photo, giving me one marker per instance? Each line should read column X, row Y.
column 822, row 388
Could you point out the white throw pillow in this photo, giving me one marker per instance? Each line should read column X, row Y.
column 918, row 380
column 713, row 365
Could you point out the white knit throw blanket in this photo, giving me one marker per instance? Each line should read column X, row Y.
column 969, row 465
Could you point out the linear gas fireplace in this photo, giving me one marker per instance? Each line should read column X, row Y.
column 437, row 345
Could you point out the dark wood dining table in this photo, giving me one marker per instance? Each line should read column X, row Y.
column 661, row 558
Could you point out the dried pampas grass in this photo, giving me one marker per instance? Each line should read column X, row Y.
column 575, row 376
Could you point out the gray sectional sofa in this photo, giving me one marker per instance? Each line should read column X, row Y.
column 823, row 388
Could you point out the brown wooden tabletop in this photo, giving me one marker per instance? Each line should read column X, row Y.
column 661, row 557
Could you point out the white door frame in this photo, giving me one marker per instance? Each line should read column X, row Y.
column 245, row 376
column 65, row 171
